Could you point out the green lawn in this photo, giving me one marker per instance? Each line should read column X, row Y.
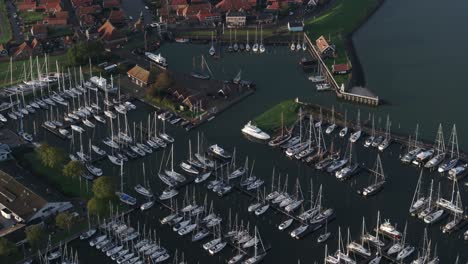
column 67, row 186
column 270, row 120
column 31, row 17
column 339, row 21
column 5, row 27
column 18, row 68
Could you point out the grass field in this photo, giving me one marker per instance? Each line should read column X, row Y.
column 270, row 120
column 68, row 186
column 18, row 68
column 344, row 17
column 5, row 27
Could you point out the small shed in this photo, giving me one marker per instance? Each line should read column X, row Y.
column 340, row 69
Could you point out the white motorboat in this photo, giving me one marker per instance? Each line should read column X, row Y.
column 189, row 168
column 157, row 58
column 219, row 151
column 253, row 131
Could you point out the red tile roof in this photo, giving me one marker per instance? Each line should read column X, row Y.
column 87, row 20
column 84, row 10
column 226, row 5
column 55, row 21
column 108, row 31
column 39, row 29
column 24, row 48
column 117, row 16
column 111, row 3
column 178, row 3
column 26, row 6
column 273, row 6
column 193, row 9
column 340, row 67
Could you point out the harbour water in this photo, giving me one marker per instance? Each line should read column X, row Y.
column 414, row 74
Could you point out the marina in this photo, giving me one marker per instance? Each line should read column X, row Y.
column 333, row 174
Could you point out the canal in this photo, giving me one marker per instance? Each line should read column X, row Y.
column 411, row 57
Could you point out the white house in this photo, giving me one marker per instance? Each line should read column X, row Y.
column 297, row 26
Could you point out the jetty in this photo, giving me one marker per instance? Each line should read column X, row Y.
column 358, row 95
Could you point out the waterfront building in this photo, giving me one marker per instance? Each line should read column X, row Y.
column 340, row 69
column 236, row 19
column 296, row 26
column 110, row 36
column 20, row 206
column 139, row 76
column 323, row 47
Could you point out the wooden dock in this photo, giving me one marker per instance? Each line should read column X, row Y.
column 339, row 90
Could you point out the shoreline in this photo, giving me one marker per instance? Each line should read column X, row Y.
column 358, row 77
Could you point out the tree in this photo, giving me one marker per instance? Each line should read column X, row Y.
column 7, row 247
column 50, row 156
column 81, row 52
column 97, row 206
column 64, row 220
column 162, row 83
column 73, row 169
column 35, row 234
column 104, row 188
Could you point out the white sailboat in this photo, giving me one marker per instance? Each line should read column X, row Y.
column 261, row 48
column 378, row 179
column 454, row 153
column 357, row 133
column 212, row 50
column 344, row 130
column 255, row 45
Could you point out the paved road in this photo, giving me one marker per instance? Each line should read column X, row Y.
column 16, row 30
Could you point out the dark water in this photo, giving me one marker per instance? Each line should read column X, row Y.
column 405, row 62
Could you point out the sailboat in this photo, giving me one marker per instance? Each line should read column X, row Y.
column 247, row 44
column 418, row 201
column 282, row 138
column 187, row 166
column 454, row 153
column 298, row 45
column 379, row 179
column 172, row 173
column 144, row 190
column 258, row 256
column 352, row 167
column 261, row 48
column 235, row 46
column 387, row 140
column 413, row 150
column 344, row 130
column 255, row 45
column 123, row 197
column 439, row 146
column 201, row 75
column 212, row 50
column 332, row 125
column 293, row 45
column 325, row 236
column 357, row 134
column 372, row 136
column 230, row 48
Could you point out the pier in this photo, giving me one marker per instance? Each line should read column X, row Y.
column 358, row 95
